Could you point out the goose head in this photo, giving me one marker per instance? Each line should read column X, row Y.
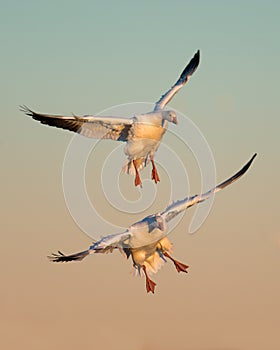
column 170, row 116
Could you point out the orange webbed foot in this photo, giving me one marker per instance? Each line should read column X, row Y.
column 180, row 267
column 155, row 176
column 137, row 180
column 150, row 285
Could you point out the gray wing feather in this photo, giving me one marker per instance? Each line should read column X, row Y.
column 90, row 126
column 181, row 205
column 184, row 77
column 105, row 245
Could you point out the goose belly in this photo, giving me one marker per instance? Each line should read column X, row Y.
column 139, row 148
column 149, row 255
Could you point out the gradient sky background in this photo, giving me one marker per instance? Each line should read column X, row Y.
column 82, row 57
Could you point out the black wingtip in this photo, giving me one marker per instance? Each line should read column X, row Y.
column 236, row 176
column 26, row 110
column 246, row 166
column 191, row 67
column 56, row 257
column 196, row 60
column 196, row 57
column 61, row 257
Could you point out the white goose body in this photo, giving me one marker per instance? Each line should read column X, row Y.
column 146, row 240
column 146, row 134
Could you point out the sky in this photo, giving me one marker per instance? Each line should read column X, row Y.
column 85, row 57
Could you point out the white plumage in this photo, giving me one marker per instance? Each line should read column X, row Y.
column 142, row 133
column 146, row 241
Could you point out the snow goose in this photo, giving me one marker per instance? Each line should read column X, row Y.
column 142, row 133
column 146, row 241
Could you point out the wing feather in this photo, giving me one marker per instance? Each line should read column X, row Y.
column 90, row 126
column 184, row 77
column 181, row 205
column 105, row 245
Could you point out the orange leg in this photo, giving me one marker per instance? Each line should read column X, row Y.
column 150, row 285
column 180, row 267
column 154, row 171
column 137, row 176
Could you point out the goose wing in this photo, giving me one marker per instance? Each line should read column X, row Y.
column 105, row 245
column 90, row 126
column 181, row 205
column 184, row 77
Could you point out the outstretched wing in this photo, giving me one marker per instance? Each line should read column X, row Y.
column 184, row 77
column 177, row 207
column 105, row 245
column 90, row 126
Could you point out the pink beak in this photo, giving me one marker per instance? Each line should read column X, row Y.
column 175, row 120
